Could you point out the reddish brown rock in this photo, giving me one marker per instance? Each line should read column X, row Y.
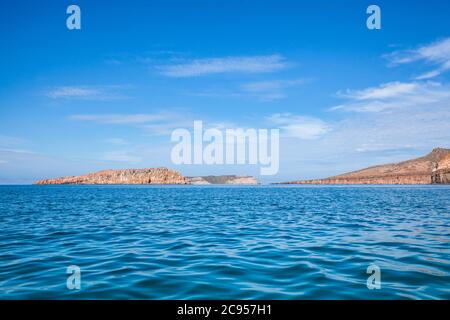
column 441, row 173
column 127, row 176
column 422, row 170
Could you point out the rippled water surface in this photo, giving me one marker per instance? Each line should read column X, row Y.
column 149, row 242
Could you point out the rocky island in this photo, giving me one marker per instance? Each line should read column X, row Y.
column 127, row 176
column 145, row 176
column 430, row 169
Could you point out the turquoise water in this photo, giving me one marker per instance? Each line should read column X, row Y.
column 150, row 242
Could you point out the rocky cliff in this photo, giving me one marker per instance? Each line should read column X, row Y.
column 230, row 179
column 431, row 168
column 441, row 173
column 128, row 176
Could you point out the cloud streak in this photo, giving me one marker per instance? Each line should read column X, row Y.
column 394, row 95
column 436, row 53
column 243, row 64
column 119, row 118
column 97, row 93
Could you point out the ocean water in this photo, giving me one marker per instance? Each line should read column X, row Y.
column 218, row 242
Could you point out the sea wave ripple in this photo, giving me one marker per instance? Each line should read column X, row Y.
column 217, row 242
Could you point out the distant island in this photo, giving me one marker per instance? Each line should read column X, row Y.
column 433, row 168
column 146, row 176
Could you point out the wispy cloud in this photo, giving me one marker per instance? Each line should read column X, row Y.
column 384, row 91
column 119, row 118
column 394, row 95
column 246, row 64
column 12, row 150
column 87, row 92
column 436, row 53
column 295, row 126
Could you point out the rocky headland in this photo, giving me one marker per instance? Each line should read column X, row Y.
column 432, row 168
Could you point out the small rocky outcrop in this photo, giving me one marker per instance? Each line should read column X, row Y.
column 127, row 176
column 432, row 168
column 230, row 179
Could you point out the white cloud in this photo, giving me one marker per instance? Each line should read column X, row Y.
column 394, row 95
column 295, row 126
column 428, row 75
column 86, row 92
column 249, row 64
column 436, row 53
column 384, row 91
column 3, row 161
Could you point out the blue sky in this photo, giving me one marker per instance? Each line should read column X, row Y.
column 109, row 95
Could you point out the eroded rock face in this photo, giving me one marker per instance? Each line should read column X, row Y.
column 441, row 173
column 417, row 171
column 127, row 176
